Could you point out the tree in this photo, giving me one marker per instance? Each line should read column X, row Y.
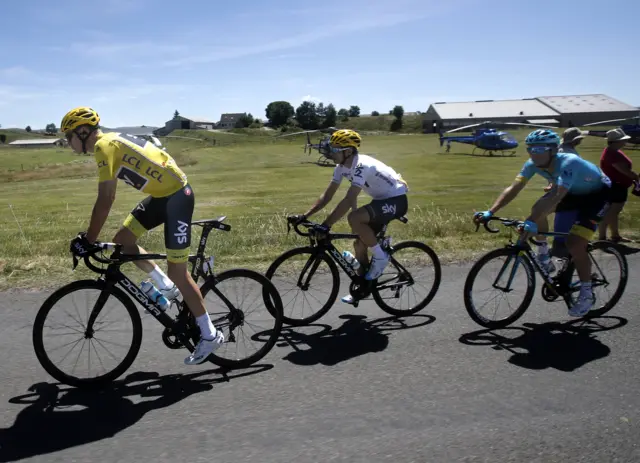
column 321, row 111
column 278, row 112
column 307, row 116
column 244, row 121
column 50, row 128
column 398, row 111
column 28, row 128
column 176, row 114
column 343, row 114
column 354, row 111
column 330, row 117
column 375, row 113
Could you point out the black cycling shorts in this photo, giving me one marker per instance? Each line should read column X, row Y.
column 383, row 211
column 175, row 212
column 585, row 213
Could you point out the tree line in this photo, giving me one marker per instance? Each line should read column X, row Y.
column 311, row 116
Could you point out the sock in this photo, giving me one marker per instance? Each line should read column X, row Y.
column 378, row 252
column 585, row 288
column 207, row 330
column 160, row 278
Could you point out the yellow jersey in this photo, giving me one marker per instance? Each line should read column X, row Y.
column 139, row 163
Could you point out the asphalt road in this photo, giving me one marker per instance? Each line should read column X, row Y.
column 356, row 386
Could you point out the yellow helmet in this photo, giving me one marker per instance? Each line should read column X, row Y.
column 346, row 138
column 82, row 115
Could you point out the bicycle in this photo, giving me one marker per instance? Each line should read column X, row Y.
column 322, row 251
column 180, row 331
column 556, row 287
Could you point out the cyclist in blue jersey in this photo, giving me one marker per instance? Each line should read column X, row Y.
column 578, row 185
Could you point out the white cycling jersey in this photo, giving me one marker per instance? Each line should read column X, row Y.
column 376, row 178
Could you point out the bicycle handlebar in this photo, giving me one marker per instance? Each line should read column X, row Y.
column 98, row 247
column 291, row 223
column 506, row 222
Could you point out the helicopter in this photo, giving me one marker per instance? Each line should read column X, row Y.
column 322, row 146
column 487, row 139
column 633, row 130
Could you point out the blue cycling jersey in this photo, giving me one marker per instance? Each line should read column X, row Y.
column 570, row 171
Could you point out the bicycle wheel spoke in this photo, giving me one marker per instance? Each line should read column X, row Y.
column 498, row 265
column 61, row 361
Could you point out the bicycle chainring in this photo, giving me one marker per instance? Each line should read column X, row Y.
column 171, row 340
column 360, row 291
column 548, row 295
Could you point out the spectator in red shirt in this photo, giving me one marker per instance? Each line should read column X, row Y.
column 617, row 166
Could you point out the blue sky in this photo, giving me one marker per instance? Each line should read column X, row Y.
column 136, row 62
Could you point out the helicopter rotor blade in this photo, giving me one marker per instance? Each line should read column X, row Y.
column 468, row 126
column 530, row 125
column 612, row 120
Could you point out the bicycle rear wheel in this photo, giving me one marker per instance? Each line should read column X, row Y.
column 398, row 284
column 607, row 285
column 505, row 280
column 83, row 336
column 231, row 312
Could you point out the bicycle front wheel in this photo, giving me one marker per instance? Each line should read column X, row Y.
column 258, row 309
column 506, row 273
column 94, row 355
column 398, row 285
column 304, row 300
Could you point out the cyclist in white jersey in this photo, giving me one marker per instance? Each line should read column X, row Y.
column 381, row 182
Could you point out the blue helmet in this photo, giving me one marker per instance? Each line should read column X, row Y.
column 543, row 137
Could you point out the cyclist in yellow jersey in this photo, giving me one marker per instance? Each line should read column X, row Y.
column 170, row 201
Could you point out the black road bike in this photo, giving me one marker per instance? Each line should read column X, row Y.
column 318, row 262
column 181, row 331
column 561, row 286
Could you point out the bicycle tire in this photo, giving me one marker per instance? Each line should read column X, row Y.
column 275, row 305
column 335, row 283
column 434, row 289
column 473, row 273
column 624, row 267
column 74, row 381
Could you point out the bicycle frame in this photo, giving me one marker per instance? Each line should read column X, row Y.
column 326, row 246
column 524, row 248
column 113, row 275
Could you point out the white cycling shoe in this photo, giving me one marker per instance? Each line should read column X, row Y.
column 204, row 348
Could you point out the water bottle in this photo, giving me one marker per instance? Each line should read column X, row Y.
column 208, row 264
column 155, row 295
column 351, row 259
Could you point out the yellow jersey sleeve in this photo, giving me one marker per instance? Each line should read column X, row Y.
column 105, row 154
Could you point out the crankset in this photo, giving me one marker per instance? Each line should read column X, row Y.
column 360, row 291
column 548, row 294
column 171, row 340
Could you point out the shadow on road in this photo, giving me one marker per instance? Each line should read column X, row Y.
column 356, row 336
column 563, row 346
column 59, row 418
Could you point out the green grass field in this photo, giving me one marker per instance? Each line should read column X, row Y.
column 255, row 181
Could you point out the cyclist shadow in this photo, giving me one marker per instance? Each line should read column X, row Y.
column 355, row 337
column 564, row 346
column 59, row 417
